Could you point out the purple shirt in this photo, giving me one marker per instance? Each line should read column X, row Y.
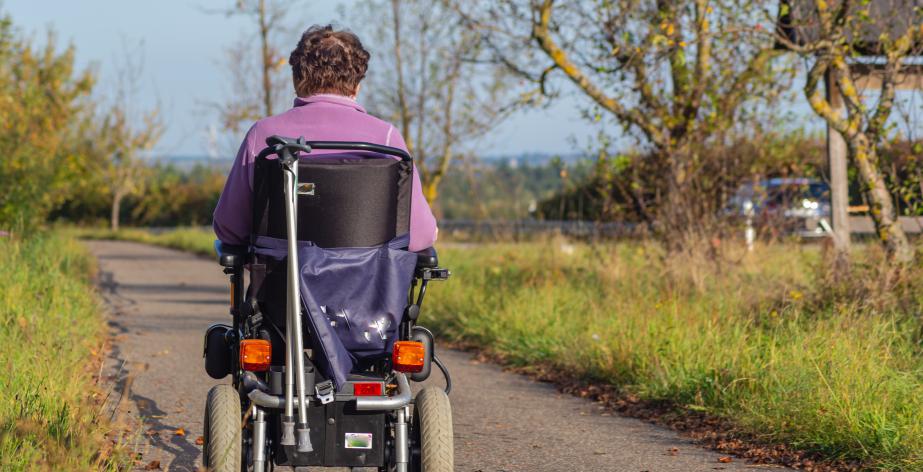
column 318, row 118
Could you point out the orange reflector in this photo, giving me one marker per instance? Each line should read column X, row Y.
column 408, row 356
column 367, row 389
column 255, row 355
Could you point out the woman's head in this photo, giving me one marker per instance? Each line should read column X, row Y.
column 328, row 61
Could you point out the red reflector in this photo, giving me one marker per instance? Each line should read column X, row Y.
column 370, row 389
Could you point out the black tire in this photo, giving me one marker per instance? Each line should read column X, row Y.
column 222, row 449
column 432, row 432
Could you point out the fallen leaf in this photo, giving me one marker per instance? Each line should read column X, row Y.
column 200, row 440
column 152, row 465
column 725, row 459
column 180, row 432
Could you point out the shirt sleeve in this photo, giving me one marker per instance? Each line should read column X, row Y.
column 233, row 217
column 423, row 230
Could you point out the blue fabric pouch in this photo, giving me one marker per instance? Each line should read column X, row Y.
column 353, row 298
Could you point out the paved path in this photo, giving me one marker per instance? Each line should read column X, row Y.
column 162, row 300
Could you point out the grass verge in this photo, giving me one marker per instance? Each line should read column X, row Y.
column 761, row 343
column 195, row 240
column 52, row 322
column 755, row 343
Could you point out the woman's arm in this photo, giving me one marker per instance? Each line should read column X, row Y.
column 233, row 215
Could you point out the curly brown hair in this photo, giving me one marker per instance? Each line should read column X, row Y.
column 328, row 61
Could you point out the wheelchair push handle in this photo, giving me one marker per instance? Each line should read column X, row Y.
column 287, row 148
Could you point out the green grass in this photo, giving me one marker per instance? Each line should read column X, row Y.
column 760, row 341
column 52, row 328
column 194, row 240
column 751, row 342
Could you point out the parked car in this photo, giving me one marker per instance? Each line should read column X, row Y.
column 783, row 206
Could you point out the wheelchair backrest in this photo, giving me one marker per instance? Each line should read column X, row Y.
column 344, row 200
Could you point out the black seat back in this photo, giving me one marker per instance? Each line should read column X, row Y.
column 344, row 200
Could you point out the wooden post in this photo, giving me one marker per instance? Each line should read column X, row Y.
column 839, row 181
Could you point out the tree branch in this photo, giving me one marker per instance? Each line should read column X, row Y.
column 542, row 35
column 702, row 60
column 816, row 99
column 892, row 70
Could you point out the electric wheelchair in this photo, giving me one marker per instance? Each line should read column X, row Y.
column 324, row 340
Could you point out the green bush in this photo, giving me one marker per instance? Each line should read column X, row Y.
column 45, row 109
column 171, row 197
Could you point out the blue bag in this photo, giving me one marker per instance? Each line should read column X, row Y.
column 353, row 298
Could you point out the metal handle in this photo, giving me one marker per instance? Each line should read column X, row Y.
column 279, row 144
column 361, row 146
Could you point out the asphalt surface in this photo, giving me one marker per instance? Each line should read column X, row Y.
column 162, row 300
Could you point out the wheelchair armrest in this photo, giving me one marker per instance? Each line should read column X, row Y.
column 427, row 259
column 230, row 255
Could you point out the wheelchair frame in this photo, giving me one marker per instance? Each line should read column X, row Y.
column 295, row 438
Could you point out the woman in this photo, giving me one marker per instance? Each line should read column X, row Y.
column 327, row 68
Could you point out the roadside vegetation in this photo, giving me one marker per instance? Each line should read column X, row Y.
column 767, row 342
column 53, row 325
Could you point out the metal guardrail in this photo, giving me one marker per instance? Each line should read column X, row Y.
column 526, row 228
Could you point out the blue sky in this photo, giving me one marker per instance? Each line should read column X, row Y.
column 183, row 48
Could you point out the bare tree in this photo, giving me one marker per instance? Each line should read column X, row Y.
column 260, row 84
column 676, row 75
column 838, row 33
column 424, row 76
column 124, row 134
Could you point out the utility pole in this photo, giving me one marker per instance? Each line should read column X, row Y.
column 839, row 181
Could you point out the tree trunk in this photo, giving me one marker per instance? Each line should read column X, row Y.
column 889, row 230
column 267, row 59
column 839, row 181
column 116, row 210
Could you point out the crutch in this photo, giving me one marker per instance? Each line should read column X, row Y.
column 288, row 159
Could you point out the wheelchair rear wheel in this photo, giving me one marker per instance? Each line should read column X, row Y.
column 432, row 432
column 222, row 448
